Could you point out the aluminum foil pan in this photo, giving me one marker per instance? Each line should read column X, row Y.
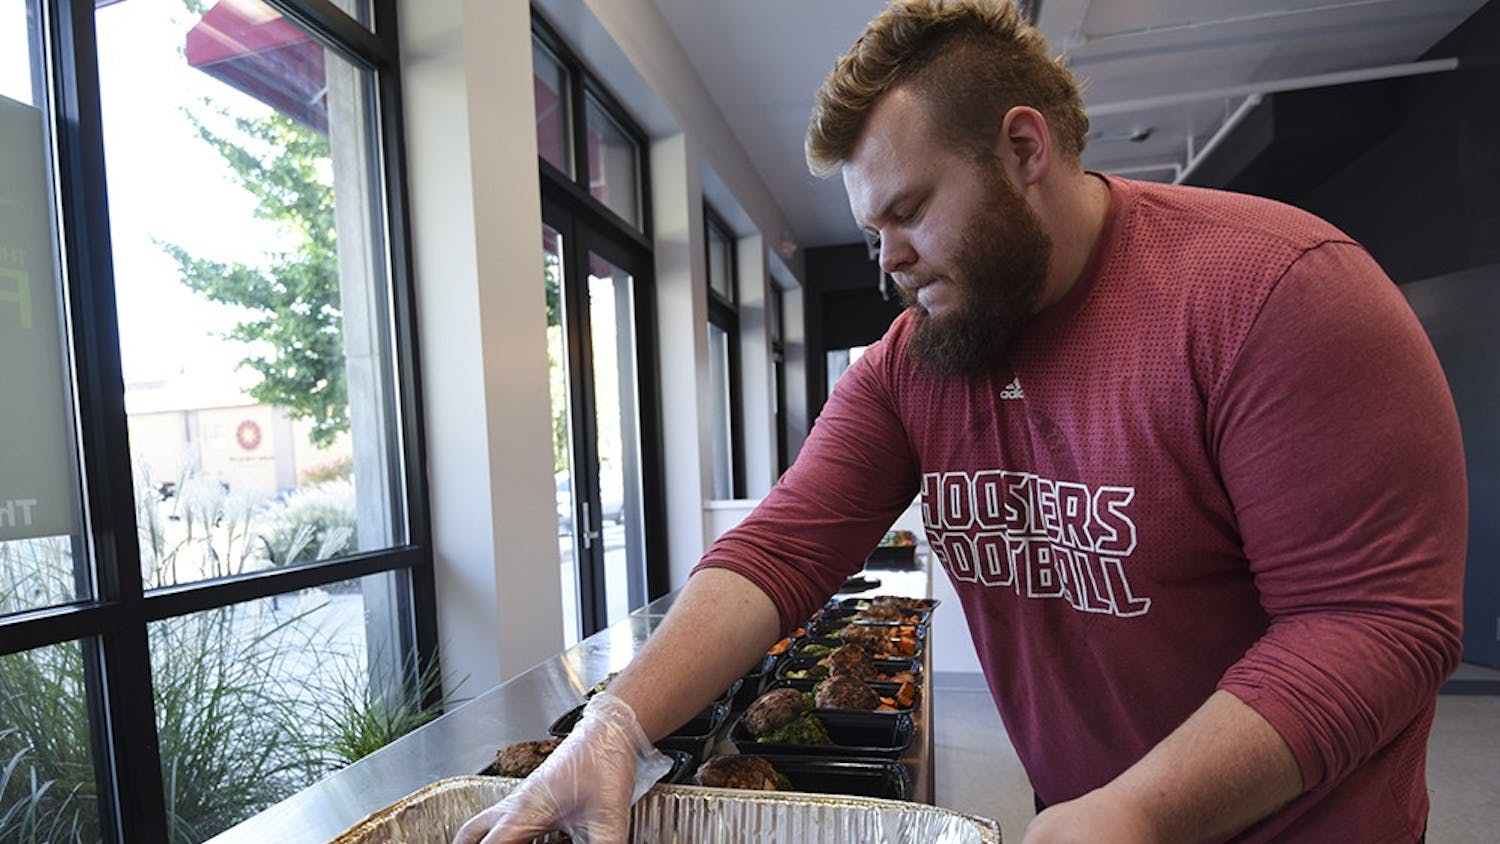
column 680, row 813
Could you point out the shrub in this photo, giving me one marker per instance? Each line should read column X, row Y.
column 313, row 523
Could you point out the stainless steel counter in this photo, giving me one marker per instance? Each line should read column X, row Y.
column 465, row 740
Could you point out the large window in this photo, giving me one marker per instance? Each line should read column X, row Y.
column 597, row 275
column 775, row 305
column 724, row 359
column 214, row 554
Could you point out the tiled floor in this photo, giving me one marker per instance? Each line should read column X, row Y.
column 977, row 771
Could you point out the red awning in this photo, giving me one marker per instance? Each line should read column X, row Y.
column 253, row 48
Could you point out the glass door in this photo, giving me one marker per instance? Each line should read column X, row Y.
column 592, row 287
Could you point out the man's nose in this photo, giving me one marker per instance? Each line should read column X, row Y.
column 895, row 254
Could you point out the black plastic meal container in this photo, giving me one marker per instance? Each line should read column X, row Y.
column 887, row 667
column 846, row 615
column 754, row 680
column 928, row 604
column 799, row 646
column 886, row 779
column 880, row 688
column 683, row 767
column 693, row 737
column 863, row 734
column 830, row 627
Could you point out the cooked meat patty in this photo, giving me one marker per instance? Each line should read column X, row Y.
column 874, row 637
column 845, row 692
column 743, row 771
column 899, row 602
column 851, row 660
column 884, row 612
column 523, row 757
column 774, row 709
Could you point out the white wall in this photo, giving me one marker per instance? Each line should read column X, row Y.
column 475, row 212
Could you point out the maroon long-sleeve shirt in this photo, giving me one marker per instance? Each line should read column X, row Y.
column 1227, row 459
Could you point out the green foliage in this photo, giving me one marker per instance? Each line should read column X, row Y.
column 354, row 720
column 253, row 701
column 293, row 315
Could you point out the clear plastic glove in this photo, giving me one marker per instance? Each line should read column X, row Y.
column 585, row 788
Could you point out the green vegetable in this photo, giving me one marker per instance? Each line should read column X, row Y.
column 782, row 783
column 816, row 650
column 805, row 730
column 799, row 674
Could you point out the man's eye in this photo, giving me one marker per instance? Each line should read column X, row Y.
column 873, row 241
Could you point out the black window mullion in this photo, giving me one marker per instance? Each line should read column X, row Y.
column 51, row 625
column 333, row 27
column 117, row 664
column 422, row 581
column 200, row 597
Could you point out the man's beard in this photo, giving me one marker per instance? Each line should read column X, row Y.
column 998, row 274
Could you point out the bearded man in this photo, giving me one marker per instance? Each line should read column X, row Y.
column 1187, row 457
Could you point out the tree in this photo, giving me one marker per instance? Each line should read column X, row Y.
column 295, row 319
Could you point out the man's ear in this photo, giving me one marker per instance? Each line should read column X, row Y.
column 1024, row 145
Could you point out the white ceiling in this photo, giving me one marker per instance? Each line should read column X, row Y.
column 1173, row 71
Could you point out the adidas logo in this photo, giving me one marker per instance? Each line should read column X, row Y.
column 1013, row 390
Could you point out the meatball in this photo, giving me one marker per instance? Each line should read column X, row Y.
column 845, row 692
column 773, row 710
column 850, row 660
column 744, row 771
column 874, row 637
column 523, row 757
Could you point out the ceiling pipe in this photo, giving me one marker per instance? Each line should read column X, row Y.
column 1198, row 26
column 1228, row 126
column 1297, row 83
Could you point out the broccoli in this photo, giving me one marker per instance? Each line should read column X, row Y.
column 807, row 729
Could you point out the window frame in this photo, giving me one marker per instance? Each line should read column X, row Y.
column 111, row 628
column 582, row 86
column 568, row 204
column 723, row 312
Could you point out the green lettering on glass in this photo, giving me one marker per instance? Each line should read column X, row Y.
column 15, row 289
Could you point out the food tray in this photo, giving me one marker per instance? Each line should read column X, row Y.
column 847, row 615
column 886, row 779
column 886, row 667
column 799, row 646
column 892, row 557
column 880, row 688
column 668, row 813
column 830, row 627
column 754, row 680
column 929, row 604
column 693, row 737
column 683, row 767
column 879, row 734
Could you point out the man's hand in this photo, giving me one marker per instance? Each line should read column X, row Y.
column 586, row 787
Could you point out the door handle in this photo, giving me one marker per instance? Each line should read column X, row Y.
column 589, row 534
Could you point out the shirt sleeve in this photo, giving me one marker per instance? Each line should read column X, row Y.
column 1339, row 445
column 852, row 478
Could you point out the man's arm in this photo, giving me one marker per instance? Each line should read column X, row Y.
column 1223, row 769
column 720, row 624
